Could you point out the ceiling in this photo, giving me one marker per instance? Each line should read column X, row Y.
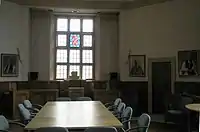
column 86, row 5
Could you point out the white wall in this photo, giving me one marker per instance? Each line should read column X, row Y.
column 14, row 33
column 40, row 43
column 159, row 30
column 107, row 46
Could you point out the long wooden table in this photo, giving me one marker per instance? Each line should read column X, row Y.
column 73, row 115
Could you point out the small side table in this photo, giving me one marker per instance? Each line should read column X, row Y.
column 194, row 107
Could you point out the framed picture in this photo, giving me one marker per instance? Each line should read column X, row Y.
column 137, row 65
column 9, row 65
column 188, row 63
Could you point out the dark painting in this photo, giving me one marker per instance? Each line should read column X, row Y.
column 9, row 65
column 137, row 65
column 188, row 62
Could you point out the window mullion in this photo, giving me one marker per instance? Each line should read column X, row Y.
column 68, row 50
column 81, row 57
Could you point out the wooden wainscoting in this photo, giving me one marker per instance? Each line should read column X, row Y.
column 18, row 98
column 39, row 92
column 41, row 96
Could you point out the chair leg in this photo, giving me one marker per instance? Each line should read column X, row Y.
column 188, row 123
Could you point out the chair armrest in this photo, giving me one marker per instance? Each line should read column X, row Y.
column 33, row 115
column 4, row 131
column 122, row 118
column 108, row 104
column 35, row 110
column 37, row 106
column 114, row 113
column 17, row 120
column 117, row 116
column 136, row 128
column 127, row 121
column 17, row 123
column 112, row 107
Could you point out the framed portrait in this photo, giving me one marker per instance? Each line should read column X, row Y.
column 9, row 65
column 188, row 63
column 137, row 65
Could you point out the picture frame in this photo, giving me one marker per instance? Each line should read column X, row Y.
column 9, row 65
column 137, row 65
column 188, row 63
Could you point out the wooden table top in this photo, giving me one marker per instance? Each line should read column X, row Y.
column 193, row 107
column 73, row 115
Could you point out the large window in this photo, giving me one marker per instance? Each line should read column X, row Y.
column 74, row 47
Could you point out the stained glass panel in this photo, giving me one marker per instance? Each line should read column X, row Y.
column 74, row 40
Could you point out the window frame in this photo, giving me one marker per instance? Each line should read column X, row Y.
column 81, row 48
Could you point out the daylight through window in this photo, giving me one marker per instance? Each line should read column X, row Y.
column 74, row 48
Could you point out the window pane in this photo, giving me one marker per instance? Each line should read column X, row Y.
column 87, row 40
column 87, row 25
column 74, row 68
column 61, row 72
column 61, row 55
column 74, row 56
column 87, row 56
column 87, row 72
column 75, row 25
column 62, row 40
column 74, row 40
column 61, row 24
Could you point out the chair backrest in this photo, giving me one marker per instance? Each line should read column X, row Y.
column 101, row 129
column 126, row 115
column 178, row 102
column 185, row 101
column 117, row 101
column 24, row 113
column 27, row 104
column 63, row 99
column 51, row 129
column 121, row 107
column 4, row 125
column 144, row 122
column 83, row 99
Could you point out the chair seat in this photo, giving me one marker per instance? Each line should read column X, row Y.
column 175, row 111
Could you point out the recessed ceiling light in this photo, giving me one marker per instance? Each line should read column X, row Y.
column 75, row 11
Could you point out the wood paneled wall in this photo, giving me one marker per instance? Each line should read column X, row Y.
column 39, row 92
column 134, row 94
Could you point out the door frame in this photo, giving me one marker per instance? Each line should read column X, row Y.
column 173, row 76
